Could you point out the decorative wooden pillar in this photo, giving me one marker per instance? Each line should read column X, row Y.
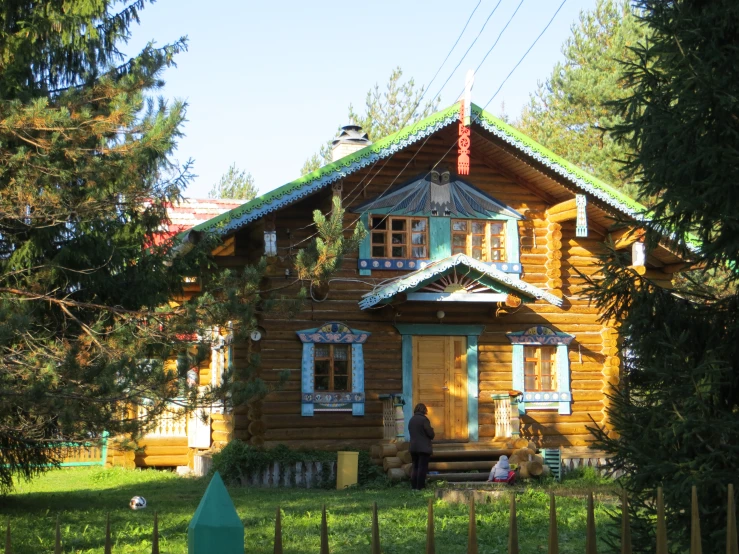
column 611, row 360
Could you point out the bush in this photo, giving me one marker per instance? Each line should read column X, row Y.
column 239, row 460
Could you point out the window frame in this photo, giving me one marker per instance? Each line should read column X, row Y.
column 540, row 336
column 486, row 248
column 351, row 400
column 332, row 370
column 537, row 374
column 388, row 232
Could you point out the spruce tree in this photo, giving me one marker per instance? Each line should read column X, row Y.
column 236, row 184
column 676, row 411
column 91, row 292
column 572, row 112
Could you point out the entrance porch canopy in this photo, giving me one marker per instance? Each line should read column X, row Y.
column 457, row 278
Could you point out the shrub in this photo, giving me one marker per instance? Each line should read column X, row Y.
column 238, row 460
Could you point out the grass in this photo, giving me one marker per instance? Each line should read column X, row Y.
column 82, row 497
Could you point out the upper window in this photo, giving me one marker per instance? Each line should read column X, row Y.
column 399, row 237
column 539, row 368
column 479, row 239
column 332, row 363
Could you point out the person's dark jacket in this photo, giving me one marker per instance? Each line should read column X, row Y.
column 421, row 434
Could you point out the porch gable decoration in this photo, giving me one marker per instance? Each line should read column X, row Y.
column 560, row 397
column 332, row 333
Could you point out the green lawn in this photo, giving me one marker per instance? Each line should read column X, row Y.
column 83, row 496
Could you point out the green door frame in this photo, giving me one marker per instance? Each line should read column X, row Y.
column 472, row 332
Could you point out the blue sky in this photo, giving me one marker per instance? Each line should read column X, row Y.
column 268, row 82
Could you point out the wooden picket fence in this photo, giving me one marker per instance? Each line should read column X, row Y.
column 732, row 545
column 108, row 549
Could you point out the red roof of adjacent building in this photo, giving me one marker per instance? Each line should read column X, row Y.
column 189, row 212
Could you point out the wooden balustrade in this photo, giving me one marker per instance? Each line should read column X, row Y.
column 172, row 422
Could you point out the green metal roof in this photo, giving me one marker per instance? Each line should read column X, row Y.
column 293, row 191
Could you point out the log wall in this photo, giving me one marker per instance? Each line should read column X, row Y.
column 550, row 255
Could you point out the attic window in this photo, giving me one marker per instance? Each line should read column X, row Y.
column 479, row 239
column 399, row 237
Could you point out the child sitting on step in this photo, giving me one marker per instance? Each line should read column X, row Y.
column 501, row 472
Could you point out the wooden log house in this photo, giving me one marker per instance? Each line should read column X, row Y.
column 465, row 292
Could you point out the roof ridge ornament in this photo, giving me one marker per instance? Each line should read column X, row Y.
column 465, row 133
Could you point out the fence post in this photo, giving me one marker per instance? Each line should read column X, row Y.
column 155, row 536
column 513, row 528
column 695, row 524
column 375, row 531
column 553, row 535
column 104, row 449
column 591, row 546
column 57, row 538
column 324, row 532
column 472, row 530
column 108, row 543
column 430, row 545
column 625, row 525
column 7, row 538
column 278, row 532
column 661, row 525
column 732, row 545
column 215, row 527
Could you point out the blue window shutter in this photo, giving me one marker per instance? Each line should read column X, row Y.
column 357, row 377
column 512, row 254
column 563, row 379
column 364, row 246
column 407, row 360
column 307, row 377
column 518, row 381
column 472, row 389
column 440, row 237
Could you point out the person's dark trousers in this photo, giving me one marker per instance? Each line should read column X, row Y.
column 419, row 470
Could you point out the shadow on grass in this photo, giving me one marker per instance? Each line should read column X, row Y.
column 82, row 498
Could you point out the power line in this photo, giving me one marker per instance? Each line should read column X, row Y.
column 499, row 35
column 525, row 54
column 470, row 47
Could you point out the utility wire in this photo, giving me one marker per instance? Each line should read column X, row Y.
column 470, row 47
column 544, row 30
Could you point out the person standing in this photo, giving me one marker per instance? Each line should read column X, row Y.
column 421, row 433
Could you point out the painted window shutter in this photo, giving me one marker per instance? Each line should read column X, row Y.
column 357, row 377
column 518, row 381
column 307, row 377
column 364, row 246
column 332, row 401
column 563, row 379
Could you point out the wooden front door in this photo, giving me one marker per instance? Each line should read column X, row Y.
column 440, row 382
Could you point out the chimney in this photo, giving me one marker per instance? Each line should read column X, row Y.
column 351, row 138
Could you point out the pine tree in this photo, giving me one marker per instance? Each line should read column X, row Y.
column 571, row 113
column 236, row 184
column 385, row 112
column 87, row 281
column 675, row 412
